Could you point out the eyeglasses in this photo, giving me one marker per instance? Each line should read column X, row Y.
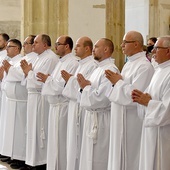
column 9, row 46
column 157, row 47
column 58, row 43
column 126, row 42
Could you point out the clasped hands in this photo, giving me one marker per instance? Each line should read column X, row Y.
column 82, row 81
column 26, row 67
column 140, row 97
column 43, row 77
column 113, row 77
column 6, row 65
column 137, row 95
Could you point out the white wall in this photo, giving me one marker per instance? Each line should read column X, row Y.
column 10, row 10
column 137, row 16
column 10, row 17
column 87, row 18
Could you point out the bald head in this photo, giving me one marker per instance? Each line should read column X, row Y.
column 136, row 36
column 103, row 49
column 63, row 45
column 83, row 47
column 132, row 43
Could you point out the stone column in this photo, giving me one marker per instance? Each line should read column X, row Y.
column 154, row 19
column 42, row 16
column 115, row 27
column 159, row 17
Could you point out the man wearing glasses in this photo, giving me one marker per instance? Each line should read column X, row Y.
column 52, row 88
column 125, row 124
column 154, row 109
column 15, row 103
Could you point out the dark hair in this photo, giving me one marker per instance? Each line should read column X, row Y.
column 17, row 43
column 5, row 36
column 69, row 41
column 154, row 39
column 110, row 44
column 32, row 38
column 46, row 39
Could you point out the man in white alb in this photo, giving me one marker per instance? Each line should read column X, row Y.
column 52, row 88
column 37, row 106
column 154, row 109
column 15, row 97
column 76, row 114
column 3, row 55
column 125, row 131
column 96, row 132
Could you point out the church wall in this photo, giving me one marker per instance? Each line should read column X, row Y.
column 86, row 18
column 137, row 16
column 10, row 17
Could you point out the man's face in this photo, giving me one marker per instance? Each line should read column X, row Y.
column 12, row 49
column 60, row 46
column 160, row 52
column 39, row 45
column 2, row 43
column 27, row 45
column 80, row 49
column 128, row 45
column 98, row 50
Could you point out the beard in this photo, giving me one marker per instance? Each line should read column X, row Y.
column 96, row 58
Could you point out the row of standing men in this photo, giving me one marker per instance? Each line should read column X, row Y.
column 82, row 114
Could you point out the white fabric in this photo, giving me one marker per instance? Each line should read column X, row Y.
column 18, row 98
column 11, row 92
column 14, row 143
column 155, row 142
column 3, row 56
column 96, row 132
column 154, row 63
column 76, row 113
column 37, row 110
column 53, row 87
column 125, row 133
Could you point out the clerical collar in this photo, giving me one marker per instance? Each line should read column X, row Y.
column 164, row 64
column 106, row 61
column 84, row 60
column 136, row 56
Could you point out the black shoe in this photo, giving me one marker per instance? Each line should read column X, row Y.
column 41, row 167
column 17, row 164
column 2, row 156
column 11, row 161
column 27, row 167
column 5, row 159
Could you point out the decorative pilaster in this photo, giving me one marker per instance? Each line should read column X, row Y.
column 115, row 27
column 154, row 19
column 42, row 16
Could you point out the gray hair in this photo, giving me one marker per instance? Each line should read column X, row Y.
column 166, row 40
